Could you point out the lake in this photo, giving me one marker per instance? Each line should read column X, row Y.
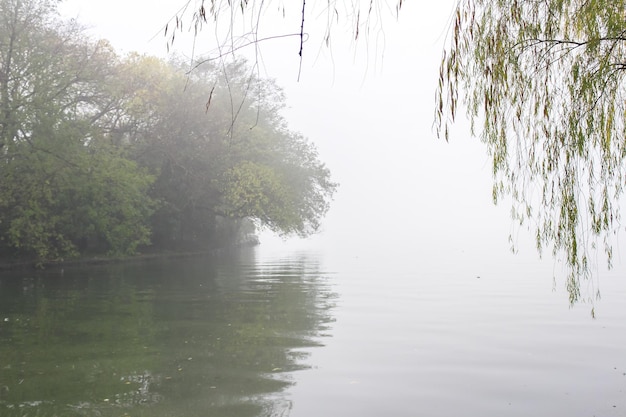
column 279, row 330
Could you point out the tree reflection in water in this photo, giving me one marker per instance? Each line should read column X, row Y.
column 190, row 336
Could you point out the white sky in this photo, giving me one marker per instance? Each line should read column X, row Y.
column 369, row 108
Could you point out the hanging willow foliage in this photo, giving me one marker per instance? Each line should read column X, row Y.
column 543, row 86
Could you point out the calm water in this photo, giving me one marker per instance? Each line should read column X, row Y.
column 280, row 332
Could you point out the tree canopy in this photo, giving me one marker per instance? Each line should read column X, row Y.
column 104, row 153
column 61, row 185
column 219, row 147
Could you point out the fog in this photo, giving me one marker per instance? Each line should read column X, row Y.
column 368, row 105
column 409, row 300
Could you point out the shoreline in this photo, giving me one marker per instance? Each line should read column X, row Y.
column 7, row 265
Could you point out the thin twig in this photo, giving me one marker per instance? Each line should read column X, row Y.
column 301, row 39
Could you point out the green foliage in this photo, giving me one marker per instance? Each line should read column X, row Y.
column 98, row 153
column 63, row 187
column 220, row 150
column 543, row 83
column 257, row 190
column 83, row 199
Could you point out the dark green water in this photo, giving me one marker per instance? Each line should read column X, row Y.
column 216, row 336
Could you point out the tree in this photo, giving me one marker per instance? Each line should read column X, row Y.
column 63, row 186
column 221, row 152
column 98, row 152
column 543, row 85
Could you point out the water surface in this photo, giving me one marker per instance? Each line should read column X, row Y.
column 181, row 337
column 274, row 331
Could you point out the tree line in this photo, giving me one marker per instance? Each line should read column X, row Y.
column 102, row 153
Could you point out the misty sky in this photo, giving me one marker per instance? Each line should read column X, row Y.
column 369, row 108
